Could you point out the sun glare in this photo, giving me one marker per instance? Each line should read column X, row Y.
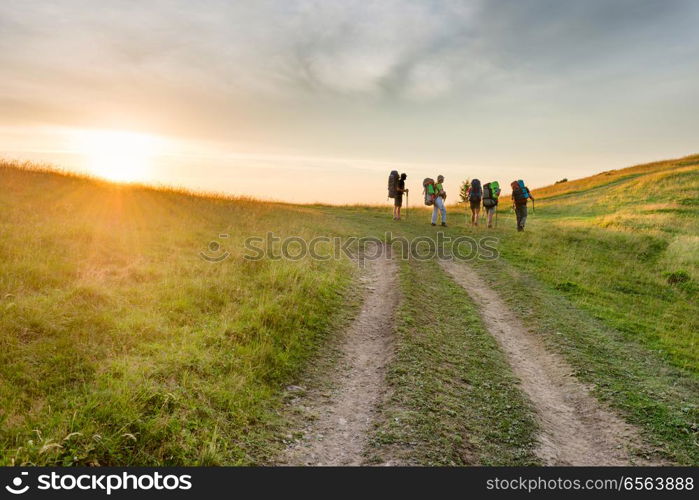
column 116, row 155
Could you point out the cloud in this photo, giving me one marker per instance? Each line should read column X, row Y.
column 391, row 78
column 262, row 47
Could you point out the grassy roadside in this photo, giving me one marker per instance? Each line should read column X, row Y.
column 620, row 277
column 121, row 345
column 662, row 400
column 608, row 272
column 632, row 245
column 454, row 400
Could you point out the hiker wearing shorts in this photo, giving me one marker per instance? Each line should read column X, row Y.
column 491, row 193
column 520, row 197
column 398, row 200
column 475, row 194
column 475, row 211
column 439, row 196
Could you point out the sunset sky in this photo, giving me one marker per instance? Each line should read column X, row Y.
column 318, row 100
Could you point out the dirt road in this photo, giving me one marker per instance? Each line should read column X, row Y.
column 338, row 420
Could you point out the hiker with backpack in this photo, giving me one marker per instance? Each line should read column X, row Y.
column 520, row 197
column 396, row 188
column 398, row 200
column 434, row 197
column 475, row 194
column 491, row 192
column 439, row 197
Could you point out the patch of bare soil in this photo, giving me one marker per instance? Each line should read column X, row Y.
column 337, row 419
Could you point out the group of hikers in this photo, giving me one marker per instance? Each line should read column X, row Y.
column 477, row 195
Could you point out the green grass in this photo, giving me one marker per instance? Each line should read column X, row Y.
column 120, row 345
column 608, row 270
column 612, row 249
column 662, row 400
column 621, row 277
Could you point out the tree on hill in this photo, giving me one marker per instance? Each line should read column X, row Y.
column 463, row 192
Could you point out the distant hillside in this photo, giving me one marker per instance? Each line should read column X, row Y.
column 660, row 199
column 624, row 245
column 671, row 181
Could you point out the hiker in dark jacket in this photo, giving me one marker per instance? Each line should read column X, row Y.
column 398, row 200
column 520, row 197
column 475, row 195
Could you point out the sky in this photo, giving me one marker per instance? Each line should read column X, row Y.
column 308, row 100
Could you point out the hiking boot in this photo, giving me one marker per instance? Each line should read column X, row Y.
column 434, row 224
column 444, row 224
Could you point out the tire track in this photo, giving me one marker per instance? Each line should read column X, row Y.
column 338, row 421
column 575, row 428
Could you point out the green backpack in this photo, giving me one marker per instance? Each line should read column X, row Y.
column 491, row 191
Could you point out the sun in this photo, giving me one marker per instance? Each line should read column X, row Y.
column 117, row 155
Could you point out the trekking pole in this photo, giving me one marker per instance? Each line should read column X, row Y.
column 407, row 203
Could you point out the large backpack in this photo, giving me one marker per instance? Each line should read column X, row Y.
column 520, row 192
column 476, row 191
column 490, row 194
column 393, row 183
column 429, row 198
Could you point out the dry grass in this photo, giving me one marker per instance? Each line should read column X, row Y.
column 120, row 345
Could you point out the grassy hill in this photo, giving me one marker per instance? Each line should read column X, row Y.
column 608, row 272
column 120, row 344
column 626, row 240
